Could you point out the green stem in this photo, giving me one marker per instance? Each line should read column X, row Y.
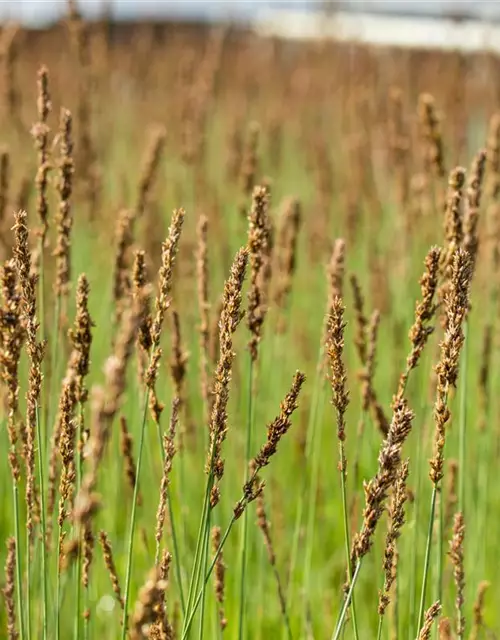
column 427, row 558
column 173, row 530
column 42, row 521
column 345, row 514
column 312, row 499
column 130, row 549
column 58, row 580
column 19, row 584
column 192, row 612
column 203, row 570
column 343, row 613
column 244, row 536
column 28, row 587
column 302, row 493
column 78, row 568
column 380, row 625
column 463, row 420
column 193, row 582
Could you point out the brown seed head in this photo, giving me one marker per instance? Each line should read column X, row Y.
column 8, row 590
column 64, row 221
column 430, row 616
column 471, row 219
column 457, row 300
column 431, row 133
column 168, row 256
column 107, row 552
column 377, row 489
column 457, row 559
column 231, row 316
column 11, row 340
column 149, row 169
column 219, row 576
column 338, row 376
column 258, row 241
column 396, row 522
column 151, row 597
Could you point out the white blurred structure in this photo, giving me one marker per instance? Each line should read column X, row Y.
column 456, row 24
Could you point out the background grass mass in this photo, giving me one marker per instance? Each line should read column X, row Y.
column 238, row 251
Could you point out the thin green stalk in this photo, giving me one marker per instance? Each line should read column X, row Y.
column 28, row 587
column 463, row 420
column 203, row 570
column 311, row 426
column 189, row 621
column 312, row 498
column 78, row 568
column 380, row 625
column 347, row 601
column 345, row 514
column 42, row 521
column 58, row 581
column 244, row 536
column 19, row 584
column 173, row 530
column 130, row 546
column 193, row 582
column 427, row 558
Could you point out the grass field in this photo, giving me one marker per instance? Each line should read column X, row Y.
column 249, row 337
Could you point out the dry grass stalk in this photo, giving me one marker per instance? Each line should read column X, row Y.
column 141, row 281
column 377, row 489
column 62, row 251
column 230, row 318
column 471, row 218
column 107, row 553
column 484, row 375
column 275, row 432
column 204, row 309
column 360, row 341
column 453, row 218
column 493, row 191
column 40, row 133
column 219, row 576
column 457, row 300
column 424, row 314
column 265, row 526
column 11, row 341
column 106, row 404
column 35, row 350
column 126, row 448
column 67, row 444
column 478, row 610
column 430, row 616
column 286, row 251
column 121, row 277
column 457, row 559
column 431, row 133
column 258, row 240
column 8, row 590
column 169, row 448
column 444, row 629
column 4, row 181
column 396, row 522
column 162, row 304
column 150, row 600
column 369, row 369
column 338, row 376
column 179, row 358
column 451, row 492
column 149, row 169
column 249, row 162
column 10, row 100
column 169, row 253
